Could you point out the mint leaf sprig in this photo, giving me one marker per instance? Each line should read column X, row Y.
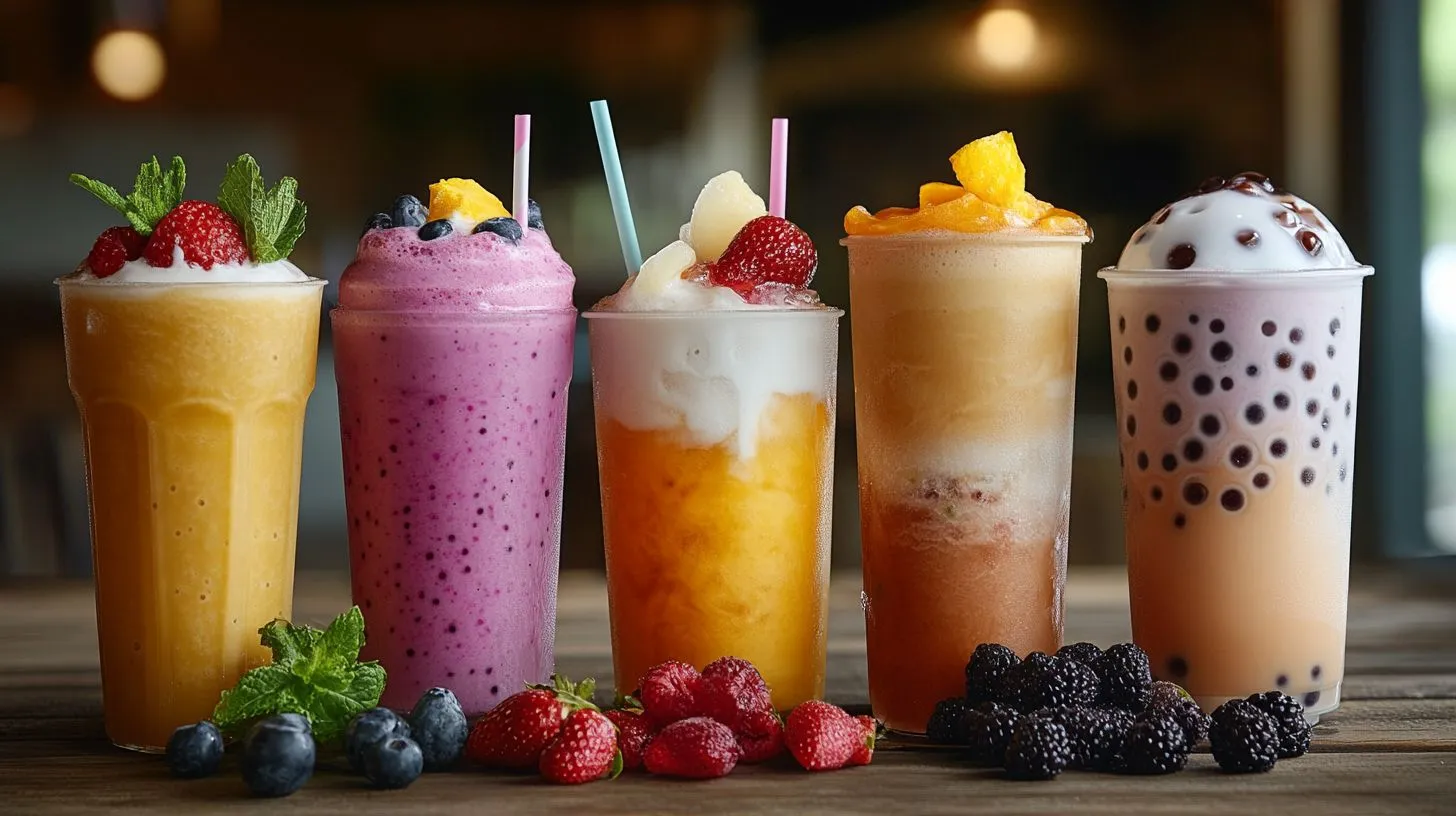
column 272, row 220
column 314, row 672
column 154, row 193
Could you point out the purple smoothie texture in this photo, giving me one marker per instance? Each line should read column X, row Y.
column 452, row 401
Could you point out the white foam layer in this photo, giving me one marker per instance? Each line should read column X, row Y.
column 139, row 271
column 697, row 295
column 711, row 376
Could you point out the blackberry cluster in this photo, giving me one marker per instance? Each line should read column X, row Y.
column 991, row 733
column 1038, row 749
column 1044, row 681
column 986, row 670
column 1244, row 739
column 1094, row 735
column 1288, row 715
column 1088, row 654
column 949, row 724
column 1154, row 745
column 1125, row 675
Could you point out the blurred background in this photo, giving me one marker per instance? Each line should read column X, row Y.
column 1118, row 106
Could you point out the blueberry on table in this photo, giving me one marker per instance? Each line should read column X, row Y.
column 290, row 720
column 438, row 228
column 195, row 751
column 393, row 763
column 408, row 212
column 378, row 221
column 507, row 228
column 533, row 215
column 278, row 758
column 440, row 728
column 369, row 729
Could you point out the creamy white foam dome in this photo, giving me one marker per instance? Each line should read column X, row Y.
column 139, row 271
column 1243, row 224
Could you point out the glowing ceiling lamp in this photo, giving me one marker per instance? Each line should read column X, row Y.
column 129, row 65
column 1005, row 38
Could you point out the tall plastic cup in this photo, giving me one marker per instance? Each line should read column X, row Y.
column 964, row 371
column 715, row 440
column 1236, row 409
column 192, row 400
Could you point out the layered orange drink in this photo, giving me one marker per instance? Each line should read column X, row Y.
column 191, row 346
column 965, row 338
column 713, row 370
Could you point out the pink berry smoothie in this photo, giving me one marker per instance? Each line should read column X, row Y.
column 453, row 356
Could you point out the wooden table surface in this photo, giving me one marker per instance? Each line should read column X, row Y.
column 1391, row 748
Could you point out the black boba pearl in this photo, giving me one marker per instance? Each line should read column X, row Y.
column 1284, row 359
column 1210, row 425
column 1306, row 476
column 1232, row 500
column 1195, row 493
column 1127, row 355
column 1311, row 407
column 1168, row 371
column 1227, row 383
column 1142, row 460
column 1177, row 667
column 1241, row 456
column 1296, row 335
column 1278, row 448
column 1311, row 699
column 1153, row 322
column 1132, row 426
column 1222, row 351
column 1172, row 413
column 1307, row 370
column 1121, row 324
column 1170, row 462
column 1281, row 401
column 1203, row 385
column 1269, row 328
column 1183, row 344
column 1193, row 450
column 1132, row 389
column 1334, row 326
column 1254, row 413
column 1216, row 325
column 1261, row 480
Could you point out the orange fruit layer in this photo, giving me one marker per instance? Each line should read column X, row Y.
column 710, row 555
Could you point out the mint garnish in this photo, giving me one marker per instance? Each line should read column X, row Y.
column 272, row 219
column 314, row 672
column 154, row 195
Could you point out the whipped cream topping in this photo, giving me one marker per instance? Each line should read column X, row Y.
column 139, row 271
column 697, row 295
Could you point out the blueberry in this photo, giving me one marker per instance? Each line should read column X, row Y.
column 440, row 728
column 277, row 758
column 438, row 228
column 369, row 729
column 195, row 751
column 298, row 722
column 378, row 221
column 507, row 228
column 393, row 763
column 533, row 215
column 408, row 212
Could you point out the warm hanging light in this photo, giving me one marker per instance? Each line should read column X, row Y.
column 1005, row 38
column 129, row 65
column 17, row 111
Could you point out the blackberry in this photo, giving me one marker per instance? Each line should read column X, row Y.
column 1125, row 674
column 1088, row 654
column 1038, row 750
column 1092, row 736
column 991, row 732
column 949, row 725
column 1154, row 745
column 1162, row 693
column 1042, row 681
column 1288, row 715
column 985, row 671
column 1244, row 739
column 1189, row 717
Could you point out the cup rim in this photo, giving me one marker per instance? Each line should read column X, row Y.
column 492, row 314
column 706, row 314
column 1216, row 277
column 73, row 279
column 1012, row 236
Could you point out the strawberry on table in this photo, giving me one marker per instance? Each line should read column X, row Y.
column 669, row 692
column 584, row 751
column 515, row 733
column 823, row 737
column 633, row 735
column 730, row 689
column 866, row 750
column 695, row 748
column 760, row 736
column 769, row 249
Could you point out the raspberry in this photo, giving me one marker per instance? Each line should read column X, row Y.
column 1038, row 749
column 113, row 248
column 207, row 235
column 768, row 249
column 1154, row 745
column 669, row 692
column 950, row 722
column 1244, row 739
column 633, row 734
column 1088, row 654
column 1042, row 681
column 866, row 750
column 760, row 735
column 1125, row 674
column 991, row 733
column 694, row 748
column 730, row 689
column 985, row 671
column 822, row 737
column 1288, row 715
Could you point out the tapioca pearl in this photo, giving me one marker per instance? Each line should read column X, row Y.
column 1311, row 699
column 1216, row 325
column 1248, row 238
column 1310, row 241
column 1168, row 371
column 1335, row 392
column 1193, row 320
column 1334, row 326
column 1231, row 499
column 1121, row 324
column 1131, row 425
column 1296, row 335
column 1132, row 389
column 1195, row 493
column 1142, row 460
column 1330, row 352
column 1315, row 672
column 1281, row 401
column 1281, row 681
column 1210, row 425
column 1254, row 413
column 1152, row 322
column 1344, row 471
column 1203, row 385
column 1179, row 520
column 1172, row 413
column 1227, row 383
column 1183, row 344
column 1314, row 442
column 1270, row 328
column 1284, row 359
column 1311, row 407
column 1221, row 351
column 1307, row 370
column 1240, row 456
column 1193, row 450
column 1261, row 480
column 1156, row 493
column 1182, row 256
column 1127, row 355
column 1278, row 448
column 1170, row 462
column 1251, row 370
column 1177, row 667
column 1334, row 448
column 1325, row 421
column 1306, row 476
column 1347, row 407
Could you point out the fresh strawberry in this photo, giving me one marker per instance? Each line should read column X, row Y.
column 730, row 689
column 633, row 734
column 514, row 733
column 206, row 234
column 695, row 748
column 822, row 737
column 584, row 751
column 114, row 247
column 865, row 751
column 768, row 248
column 760, row 736
column 669, row 692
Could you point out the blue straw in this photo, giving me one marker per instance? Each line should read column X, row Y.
column 616, row 186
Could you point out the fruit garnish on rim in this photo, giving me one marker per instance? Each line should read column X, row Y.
column 250, row 225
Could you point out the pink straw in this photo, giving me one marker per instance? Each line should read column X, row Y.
column 522, row 169
column 778, row 167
